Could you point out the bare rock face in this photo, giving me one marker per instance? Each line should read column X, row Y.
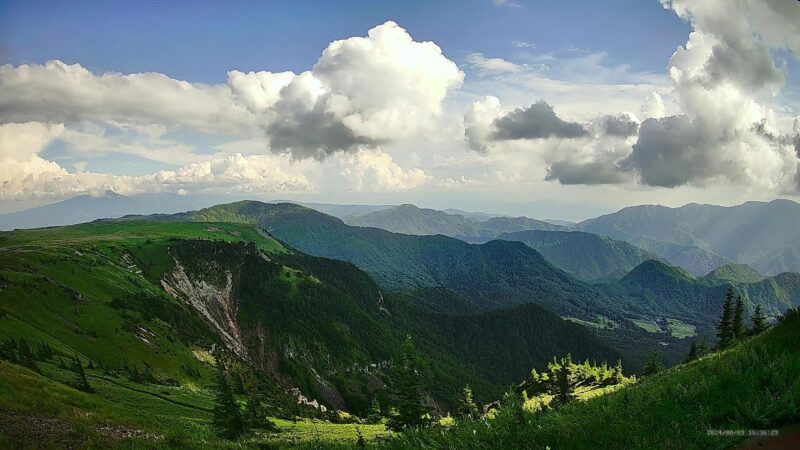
column 214, row 303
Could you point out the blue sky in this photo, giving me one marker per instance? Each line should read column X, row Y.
column 202, row 40
column 443, row 104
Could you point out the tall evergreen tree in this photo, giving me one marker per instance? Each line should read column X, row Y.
column 702, row 347
column 739, row 329
column 619, row 377
column 466, row 404
column 759, row 321
column 692, row 355
column 725, row 333
column 411, row 410
column 375, row 413
column 26, row 357
column 227, row 419
column 564, row 390
column 81, row 382
column 653, row 364
column 237, row 383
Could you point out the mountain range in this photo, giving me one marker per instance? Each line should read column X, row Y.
column 699, row 238
column 648, row 304
column 764, row 235
column 315, row 310
column 409, row 219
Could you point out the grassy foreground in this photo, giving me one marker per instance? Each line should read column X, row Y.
column 39, row 412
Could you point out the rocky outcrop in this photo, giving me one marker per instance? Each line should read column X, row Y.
column 215, row 303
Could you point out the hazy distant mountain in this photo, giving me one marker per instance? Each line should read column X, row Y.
column 696, row 260
column 765, row 235
column 409, row 219
column 341, row 211
column 587, row 256
column 564, row 223
column 474, row 216
column 86, row 208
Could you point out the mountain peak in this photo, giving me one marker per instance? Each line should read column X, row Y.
column 734, row 272
column 654, row 268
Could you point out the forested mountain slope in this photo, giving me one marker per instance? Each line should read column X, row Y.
column 162, row 294
column 653, row 303
column 587, row 256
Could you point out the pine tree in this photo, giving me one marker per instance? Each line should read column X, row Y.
column 136, row 377
column 692, row 355
column 375, row 414
column 564, row 390
column 619, row 377
column 256, row 416
column 411, row 410
column 739, row 329
column 466, row 405
column 227, row 419
column 653, row 364
column 44, row 352
column 759, row 321
column 702, row 347
column 81, row 382
column 725, row 334
column 237, row 383
column 26, row 357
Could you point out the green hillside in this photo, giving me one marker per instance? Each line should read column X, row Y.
column 753, row 386
column 736, row 273
column 148, row 306
column 495, row 274
column 587, row 256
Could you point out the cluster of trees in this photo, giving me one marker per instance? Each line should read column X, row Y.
column 19, row 351
column 563, row 377
column 731, row 327
column 229, row 421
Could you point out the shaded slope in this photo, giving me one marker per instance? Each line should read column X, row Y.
column 584, row 255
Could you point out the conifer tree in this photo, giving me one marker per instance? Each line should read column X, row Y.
column 702, row 347
column 255, row 414
column 227, row 419
column 81, row 382
column 759, row 321
column 237, row 383
column 375, row 414
column 466, row 404
column 45, row 352
column 653, row 364
column 563, row 382
column 725, row 333
column 692, row 355
column 411, row 410
column 26, row 357
column 619, row 377
column 739, row 329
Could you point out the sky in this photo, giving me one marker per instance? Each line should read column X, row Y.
column 485, row 105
